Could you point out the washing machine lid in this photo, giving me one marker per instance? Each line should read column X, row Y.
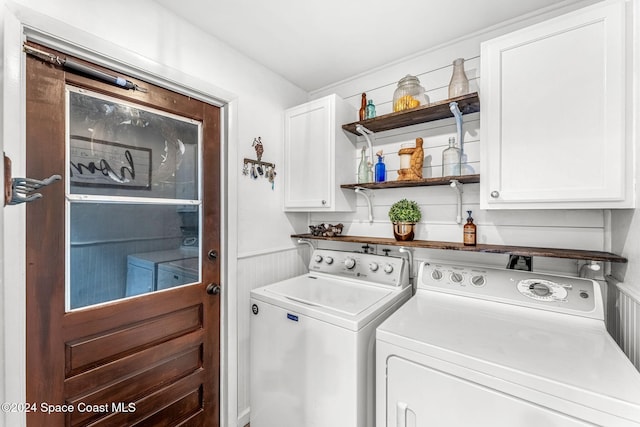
column 342, row 302
column 569, row 357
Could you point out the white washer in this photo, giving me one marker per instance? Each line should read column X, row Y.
column 313, row 336
column 502, row 348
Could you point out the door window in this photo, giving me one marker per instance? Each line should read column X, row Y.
column 132, row 199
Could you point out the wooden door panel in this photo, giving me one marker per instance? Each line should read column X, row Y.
column 152, row 356
column 149, row 360
column 94, row 350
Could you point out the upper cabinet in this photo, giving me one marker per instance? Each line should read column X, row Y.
column 554, row 103
column 318, row 156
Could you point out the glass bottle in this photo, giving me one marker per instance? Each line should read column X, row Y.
column 451, row 159
column 409, row 94
column 469, row 232
column 459, row 84
column 381, row 169
column 363, row 107
column 371, row 110
column 363, row 167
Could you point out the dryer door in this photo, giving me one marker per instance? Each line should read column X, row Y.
column 418, row 396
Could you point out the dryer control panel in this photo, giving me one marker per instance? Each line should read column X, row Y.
column 570, row 295
column 379, row 269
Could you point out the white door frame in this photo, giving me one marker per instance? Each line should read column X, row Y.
column 16, row 24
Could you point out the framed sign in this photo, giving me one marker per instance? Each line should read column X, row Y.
column 96, row 163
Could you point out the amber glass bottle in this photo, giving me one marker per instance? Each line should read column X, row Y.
column 469, row 236
column 363, row 107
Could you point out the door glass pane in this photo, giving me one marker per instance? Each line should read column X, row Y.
column 119, row 149
column 133, row 206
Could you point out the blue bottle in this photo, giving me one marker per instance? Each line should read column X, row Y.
column 370, row 111
column 381, row 169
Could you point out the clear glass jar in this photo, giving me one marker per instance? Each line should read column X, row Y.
column 409, row 94
column 451, row 159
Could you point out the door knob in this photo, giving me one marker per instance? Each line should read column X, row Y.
column 212, row 254
column 213, row 289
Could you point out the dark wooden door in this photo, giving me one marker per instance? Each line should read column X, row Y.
column 119, row 358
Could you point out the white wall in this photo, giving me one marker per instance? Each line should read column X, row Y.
column 146, row 38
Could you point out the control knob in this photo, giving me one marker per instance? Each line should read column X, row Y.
column 349, row 263
column 478, row 280
column 318, row 258
column 456, row 277
column 373, row 266
column 436, row 274
column 388, row 268
column 539, row 289
column 328, row 260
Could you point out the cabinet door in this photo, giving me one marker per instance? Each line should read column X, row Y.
column 553, row 114
column 308, row 155
column 318, row 156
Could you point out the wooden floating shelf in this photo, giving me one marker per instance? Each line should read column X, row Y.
column 496, row 249
column 446, row 180
column 467, row 104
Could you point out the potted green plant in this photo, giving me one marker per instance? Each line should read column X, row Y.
column 404, row 214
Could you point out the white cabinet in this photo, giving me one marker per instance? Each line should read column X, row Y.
column 554, row 104
column 318, row 156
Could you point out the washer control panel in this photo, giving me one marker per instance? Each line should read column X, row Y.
column 380, row 269
column 539, row 290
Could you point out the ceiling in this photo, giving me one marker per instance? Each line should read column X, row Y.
column 316, row 43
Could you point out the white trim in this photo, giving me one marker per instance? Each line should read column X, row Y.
column 19, row 23
column 92, row 198
column 228, row 271
column 13, row 225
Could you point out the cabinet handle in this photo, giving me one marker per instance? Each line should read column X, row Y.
column 324, row 202
column 495, row 194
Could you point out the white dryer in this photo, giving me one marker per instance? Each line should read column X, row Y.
column 312, row 340
column 502, row 348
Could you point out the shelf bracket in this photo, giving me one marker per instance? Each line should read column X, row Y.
column 588, row 269
column 366, row 132
column 365, row 193
column 453, row 106
column 457, row 186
